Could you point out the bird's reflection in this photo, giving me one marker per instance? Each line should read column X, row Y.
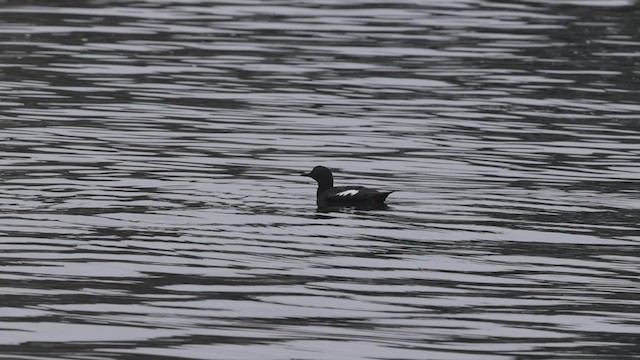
column 352, row 208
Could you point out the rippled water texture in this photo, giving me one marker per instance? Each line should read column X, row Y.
column 151, row 206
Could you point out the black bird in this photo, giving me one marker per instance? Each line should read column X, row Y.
column 343, row 195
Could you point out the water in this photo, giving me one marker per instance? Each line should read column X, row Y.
column 151, row 206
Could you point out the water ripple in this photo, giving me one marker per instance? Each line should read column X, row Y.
column 151, row 203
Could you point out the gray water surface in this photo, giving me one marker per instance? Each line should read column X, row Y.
column 151, row 206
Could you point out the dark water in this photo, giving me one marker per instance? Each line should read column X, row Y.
column 151, row 206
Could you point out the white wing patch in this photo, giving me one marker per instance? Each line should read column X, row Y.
column 351, row 192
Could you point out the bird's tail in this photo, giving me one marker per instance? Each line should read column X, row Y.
column 382, row 195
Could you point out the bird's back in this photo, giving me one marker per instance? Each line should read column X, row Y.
column 352, row 195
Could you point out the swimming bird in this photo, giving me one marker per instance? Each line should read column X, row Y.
column 343, row 195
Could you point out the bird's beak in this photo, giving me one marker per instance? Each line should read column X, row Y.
column 306, row 174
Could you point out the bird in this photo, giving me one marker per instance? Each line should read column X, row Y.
column 328, row 195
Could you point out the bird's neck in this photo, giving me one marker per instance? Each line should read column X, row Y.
column 325, row 185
